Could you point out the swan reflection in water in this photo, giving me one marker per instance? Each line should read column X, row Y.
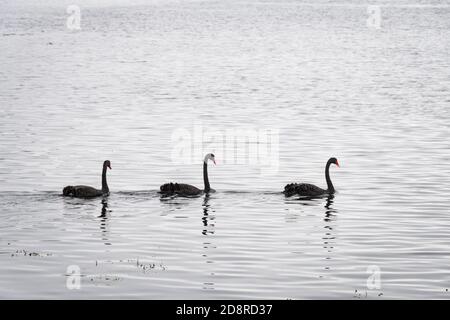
column 329, row 237
column 330, row 213
column 104, row 225
column 329, row 220
column 208, row 221
column 208, row 226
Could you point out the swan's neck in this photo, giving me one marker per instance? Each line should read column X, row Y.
column 105, row 188
column 205, row 176
column 327, row 177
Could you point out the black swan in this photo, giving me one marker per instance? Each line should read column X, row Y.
column 187, row 189
column 89, row 192
column 305, row 189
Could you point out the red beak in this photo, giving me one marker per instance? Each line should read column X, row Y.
column 337, row 163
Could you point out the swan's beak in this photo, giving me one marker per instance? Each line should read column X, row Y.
column 337, row 163
column 109, row 167
column 214, row 160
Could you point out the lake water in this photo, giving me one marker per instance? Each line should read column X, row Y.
column 136, row 76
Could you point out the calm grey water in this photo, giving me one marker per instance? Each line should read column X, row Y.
column 118, row 89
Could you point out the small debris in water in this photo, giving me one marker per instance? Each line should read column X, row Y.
column 29, row 254
column 141, row 265
column 105, row 278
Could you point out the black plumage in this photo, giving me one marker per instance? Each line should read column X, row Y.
column 87, row 191
column 310, row 190
column 184, row 189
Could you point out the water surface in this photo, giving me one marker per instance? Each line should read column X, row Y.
column 377, row 99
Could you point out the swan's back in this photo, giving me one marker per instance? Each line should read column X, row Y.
column 81, row 192
column 303, row 189
column 180, row 189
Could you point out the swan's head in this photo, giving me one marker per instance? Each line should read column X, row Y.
column 107, row 163
column 211, row 157
column 334, row 161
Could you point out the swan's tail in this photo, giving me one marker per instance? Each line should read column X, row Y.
column 168, row 188
column 290, row 189
column 69, row 191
